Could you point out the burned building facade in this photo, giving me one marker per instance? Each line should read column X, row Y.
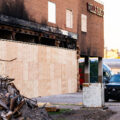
column 40, row 21
column 60, row 23
column 73, row 24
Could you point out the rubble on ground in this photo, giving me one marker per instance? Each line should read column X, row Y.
column 14, row 106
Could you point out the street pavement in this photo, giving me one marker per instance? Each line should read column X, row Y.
column 73, row 98
column 64, row 101
column 74, row 101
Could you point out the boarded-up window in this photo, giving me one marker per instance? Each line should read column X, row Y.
column 51, row 12
column 83, row 23
column 69, row 19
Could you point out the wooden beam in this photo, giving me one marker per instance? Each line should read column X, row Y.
column 13, row 36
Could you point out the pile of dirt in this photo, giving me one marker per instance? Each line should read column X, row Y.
column 84, row 114
column 14, row 106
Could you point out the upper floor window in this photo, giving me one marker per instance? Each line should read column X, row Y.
column 69, row 18
column 51, row 12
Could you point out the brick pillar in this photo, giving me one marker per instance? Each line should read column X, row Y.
column 87, row 70
column 100, row 70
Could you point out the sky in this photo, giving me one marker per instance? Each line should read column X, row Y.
column 112, row 24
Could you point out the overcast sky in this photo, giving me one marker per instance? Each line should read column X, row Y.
column 112, row 23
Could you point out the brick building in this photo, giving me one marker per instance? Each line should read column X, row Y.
column 92, row 41
column 45, row 18
column 71, row 24
column 62, row 17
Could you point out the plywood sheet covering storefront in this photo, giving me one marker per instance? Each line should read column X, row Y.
column 39, row 70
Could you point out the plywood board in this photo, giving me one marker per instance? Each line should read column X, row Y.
column 39, row 70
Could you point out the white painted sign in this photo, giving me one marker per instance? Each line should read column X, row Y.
column 51, row 12
column 69, row 19
column 83, row 23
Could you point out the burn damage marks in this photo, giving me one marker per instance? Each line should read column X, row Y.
column 88, row 46
column 14, row 8
column 43, row 22
column 16, row 24
column 20, row 30
column 49, row 37
column 42, row 37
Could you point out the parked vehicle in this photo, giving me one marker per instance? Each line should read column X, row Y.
column 107, row 73
column 94, row 73
column 112, row 89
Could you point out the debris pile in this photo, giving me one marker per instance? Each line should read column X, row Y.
column 14, row 106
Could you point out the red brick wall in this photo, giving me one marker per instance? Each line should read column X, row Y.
column 92, row 42
column 37, row 10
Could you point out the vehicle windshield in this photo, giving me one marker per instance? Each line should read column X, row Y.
column 107, row 70
column 115, row 79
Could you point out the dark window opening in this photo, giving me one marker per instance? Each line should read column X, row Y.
column 47, row 41
column 70, row 44
column 64, row 43
column 4, row 34
column 25, row 38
